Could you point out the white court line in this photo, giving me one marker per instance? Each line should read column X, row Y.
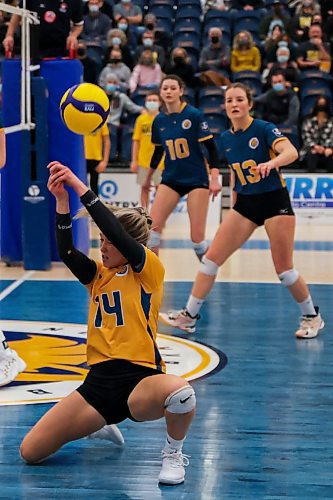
column 15, row 285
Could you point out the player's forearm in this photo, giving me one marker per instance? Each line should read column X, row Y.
column 135, row 151
column 285, row 157
column 13, row 24
column 106, row 149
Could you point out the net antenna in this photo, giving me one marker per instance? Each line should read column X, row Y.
column 27, row 18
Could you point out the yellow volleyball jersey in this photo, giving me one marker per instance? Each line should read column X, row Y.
column 123, row 313
column 142, row 134
column 93, row 144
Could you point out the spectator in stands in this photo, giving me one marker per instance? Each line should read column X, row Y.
column 289, row 68
column 180, row 65
column 245, row 55
column 96, row 25
column 147, row 73
column 216, row 55
column 327, row 16
column 90, row 66
column 275, row 18
column 117, row 39
column 119, row 102
column 105, row 7
column 148, row 42
column 247, row 4
column 116, row 67
column 125, row 8
column 280, row 104
column 303, row 3
column 314, row 54
column 60, row 26
column 161, row 37
column 215, row 4
column 97, row 153
column 299, row 24
column 282, row 40
column 317, row 137
column 130, row 31
column 273, row 37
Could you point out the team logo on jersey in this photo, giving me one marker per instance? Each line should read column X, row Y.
column 50, row 16
column 204, row 126
column 55, row 354
column 186, row 124
column 254, row 142
column 277, row 132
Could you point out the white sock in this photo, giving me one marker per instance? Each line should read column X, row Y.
column 200, row 248
column 194, row 305
column 307, row 307
column 173, row 445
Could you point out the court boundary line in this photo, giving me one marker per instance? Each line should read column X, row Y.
column 9, row 289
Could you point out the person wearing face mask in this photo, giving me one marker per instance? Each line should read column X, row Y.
column 116, row 67
column 317, row 138
column 279, row 104
column 96, row 26
column 180, row 65
column 299, row 24
column 147, row 73
column 130, row 31
column 119, row 102
column 215, row 55
column 314, row 54
column 245, row 55
column 275, row 17
column 125, row 8
column 162, row 38
column 283, row 63
column 148, row 42
column 90, row 66
column 142, row 147
column 116, row 39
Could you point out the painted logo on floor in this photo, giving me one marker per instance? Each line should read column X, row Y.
column 55, row 354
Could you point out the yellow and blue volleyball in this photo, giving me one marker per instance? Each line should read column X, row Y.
column 84, row 108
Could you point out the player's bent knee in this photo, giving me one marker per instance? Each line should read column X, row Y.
column 208, row 267
column 181, row 401
column 154, row 239
column 289, row 278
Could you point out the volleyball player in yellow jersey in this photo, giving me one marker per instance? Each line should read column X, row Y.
column 10, row 362
column 127, row 376
column 143, row 148
column 97, row 152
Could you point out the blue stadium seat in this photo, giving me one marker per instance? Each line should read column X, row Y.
column 187, row 39
column 162, row 10
column 139, row 95
column 292, row 133
column 250, row 78
column 190, row 10
column 190, row 2
column 126, row 142
column 211, row 103
column 187, row 24
column 189, row 96
column 164, row 24
column 217, row 122
column 314, row 79
column 209, row 91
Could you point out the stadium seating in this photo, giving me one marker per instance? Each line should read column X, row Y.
column 187, row 24
column 189, row 10
column 162, row 10
column 126, row 142
column 250, row 78
column 292, row 132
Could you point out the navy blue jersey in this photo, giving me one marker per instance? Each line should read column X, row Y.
column 180, row 135
column 245, row 149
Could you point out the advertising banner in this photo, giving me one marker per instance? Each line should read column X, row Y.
column 121, row 189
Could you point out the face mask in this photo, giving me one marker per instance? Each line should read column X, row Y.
column 81, row 51
column 111, row 87
column 321, row 107
column 278, row 87
column 152, row 106
column 178, row 59
column 150, row 26
column 93, row 8
column 243, row 43
column 126, row 1
column 283, row 59
column 147, row 42
column 215, row 39
column 116, row 41
column 115, row 61
column 122, row 26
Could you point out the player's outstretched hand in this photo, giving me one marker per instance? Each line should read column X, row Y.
column 59, row 173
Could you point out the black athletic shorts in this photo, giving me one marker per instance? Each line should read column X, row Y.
column 260, row 207
column 108, row 386
column 183, row 190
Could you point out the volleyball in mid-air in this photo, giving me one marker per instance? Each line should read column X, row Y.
column 84, row 108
